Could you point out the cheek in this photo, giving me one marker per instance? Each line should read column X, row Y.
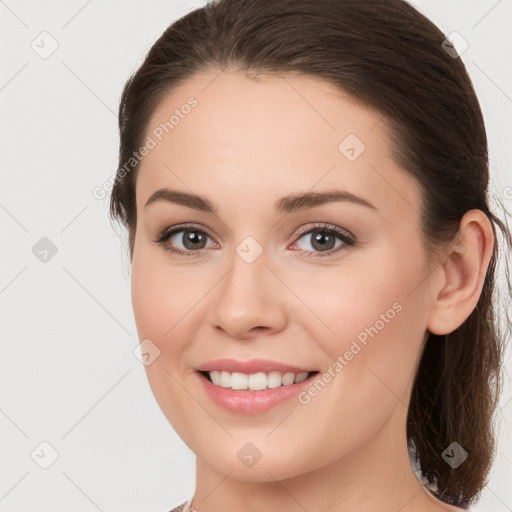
column 362, row 302
column 160, row 304
column 160, row 298
column 374, row 321
column 372, row 356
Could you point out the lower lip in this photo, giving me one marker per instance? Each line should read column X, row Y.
column 252, row 402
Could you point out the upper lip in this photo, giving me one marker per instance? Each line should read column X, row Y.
column 251, row 366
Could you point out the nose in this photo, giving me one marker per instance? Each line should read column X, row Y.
column 249, row 301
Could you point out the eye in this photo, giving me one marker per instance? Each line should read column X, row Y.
column 193, row 239
column 323, row 237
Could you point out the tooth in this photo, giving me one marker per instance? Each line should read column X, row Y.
column 215, row 376
column 274, row 379
column 239, row 380
column 288, row 378
column 257, row 381
column 301, row 376
column 225, row 379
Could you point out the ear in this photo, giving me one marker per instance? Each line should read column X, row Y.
column 458, row 288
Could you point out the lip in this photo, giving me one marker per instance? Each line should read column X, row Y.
column 251, row 366
column 246, row 401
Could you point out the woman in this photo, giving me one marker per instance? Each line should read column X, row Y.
column 313, row 255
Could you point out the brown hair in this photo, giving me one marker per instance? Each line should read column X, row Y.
column 388, row 56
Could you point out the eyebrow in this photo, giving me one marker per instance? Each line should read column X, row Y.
column 288, row 204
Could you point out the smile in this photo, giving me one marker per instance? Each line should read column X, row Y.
column 255, row 381
column 251, row 387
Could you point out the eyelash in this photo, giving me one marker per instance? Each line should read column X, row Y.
column 347, row 239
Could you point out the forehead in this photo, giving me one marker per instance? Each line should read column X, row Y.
column 225, row 135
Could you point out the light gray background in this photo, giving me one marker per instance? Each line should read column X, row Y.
column 68, row 373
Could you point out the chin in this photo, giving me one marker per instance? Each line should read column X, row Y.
column 267, row 468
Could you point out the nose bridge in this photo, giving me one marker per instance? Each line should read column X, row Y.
column 244, row 286
column 247, row 297
column 248, row 267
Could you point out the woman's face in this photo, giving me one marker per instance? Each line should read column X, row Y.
column 264, row 277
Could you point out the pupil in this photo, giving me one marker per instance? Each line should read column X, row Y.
column 194, row 238
column 327, row 238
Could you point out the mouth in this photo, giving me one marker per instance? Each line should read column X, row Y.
column 252, row 386
column 254, row 393
column 258, row 381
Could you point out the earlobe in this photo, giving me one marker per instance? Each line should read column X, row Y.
column 464, row 271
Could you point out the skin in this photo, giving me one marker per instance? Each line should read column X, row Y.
column 245, row 145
